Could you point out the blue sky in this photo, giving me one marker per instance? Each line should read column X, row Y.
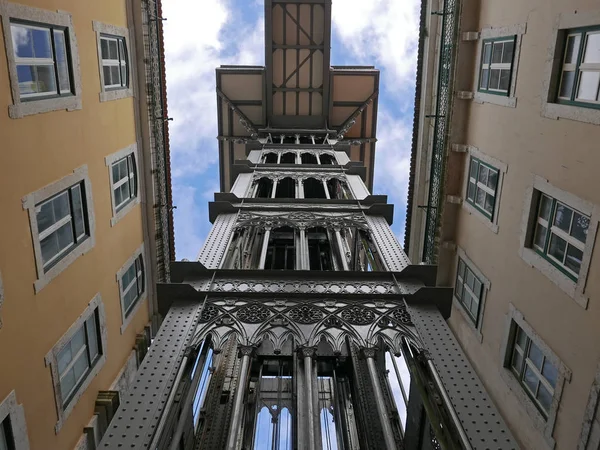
column 201, row 35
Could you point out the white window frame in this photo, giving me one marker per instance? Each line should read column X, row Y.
column 9, row 408
column 119, row 213
column 63, row 411
column 545, row 425
column 127, row 316
column 574, row 289
column 32, row 200
column 474, row 152
column 20, row 108
column 486, row 286
column 554, row 65
column 107, row 31
column 509, row 100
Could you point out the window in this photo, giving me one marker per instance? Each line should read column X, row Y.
column 78, row 356
column 123, row 177
column 263, row 188
column 286, row 188
column 308, row 158
column 13, row 429
column 560, row 235
column 114, row 62
column 468, row 289
column 41, row 57
column 482, row 187
column 132, row 285
column 270, row 158
column 533, row 370
column 496, row 65
column 288, row 158
column 42, row 60
column 313, row 188
column 320, row 255
column 61, row 218
column 281, row 254
column 580, row 73
column 124, row 181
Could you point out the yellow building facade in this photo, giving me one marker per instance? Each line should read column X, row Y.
column 504, row 199
column 86, row 224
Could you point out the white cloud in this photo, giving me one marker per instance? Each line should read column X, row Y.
column 381, row 32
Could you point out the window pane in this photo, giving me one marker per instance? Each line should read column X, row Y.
column 572, row 49
column 483, row 82
column 113, row 53
column 107, row 77
column 64, row 358
column 504, row 80
column 483, row 174
column 530, row 379
column 489, row 203
column 592, row 48
column 470, row 280
column 492, row 179
column 574, row 258
column 588, row 85
column 124, row 75
column 52, row 211
column 480, row 200
column 474, row 168
column 550, row 373
column 545, row 207
column 61, row 61
column 544, row 397
column 92, row 336
column 42, row 46
column 566, row 87
column 104, row 48
column 497, row 53
column 517, row 361
column 487, row 52
column 22, row 41
column 46, row 79
column 67, row 383
column 474, row 307
column 494, row 79
column 540, row 237
column 521, row 338
column 507, row 56
column 78, row 211
column 580, row 227
column 461, row 268
column 535, row 355
column 471, row 192
column 81, row 366
column 27, row 77
column 115, row 75
column 458, row 290
column 563, row 216
column 557, row 247
column 49, row 247
column 477, row 288
column 65, row 236
column 78, row 340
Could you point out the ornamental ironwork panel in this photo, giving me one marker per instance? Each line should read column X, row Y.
column 441, row 121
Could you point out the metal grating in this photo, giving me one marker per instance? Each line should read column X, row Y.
column 141, row 408
column 479, row 417
column 441, row 122
column 216, row 242
column 388, row 244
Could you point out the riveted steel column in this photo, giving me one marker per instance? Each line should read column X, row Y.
column 308, row 354
column 274, row 190
column 300, row 187
column 263, row 250
column 302, row 250
column 235, row 427
column 388, row 434
column 338, row 238
column 326, row 190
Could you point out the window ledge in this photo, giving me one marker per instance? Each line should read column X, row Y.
column 500, row 100
column 571, row 112
column 20, row 110
column 471, row 210
column 115, row 94
column 567, row 285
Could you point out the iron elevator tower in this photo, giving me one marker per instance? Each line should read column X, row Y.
column 303, row 325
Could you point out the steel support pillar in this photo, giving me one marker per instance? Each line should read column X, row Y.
column 235, row 427
column 263, row 250
column 388, row 434
column 308, row 354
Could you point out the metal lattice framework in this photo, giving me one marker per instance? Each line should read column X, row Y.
column 440, row 130
column 158, row 120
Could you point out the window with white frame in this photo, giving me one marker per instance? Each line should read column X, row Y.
column 132, row 285
column 496, row 65
column 13, row 429
column 62, row 224
column 114, row 62
column 482, row 187
column 41, row 55
column 580, row 72
column 535, row 372
column 560, row 235
column 124, row 181
column 468, row 289
column 78, row 357
column 6, row 439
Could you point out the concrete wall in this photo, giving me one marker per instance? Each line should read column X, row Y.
column 565, row 153
column 37, row 150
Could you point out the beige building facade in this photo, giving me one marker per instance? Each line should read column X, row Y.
column 503, row 197
column 86, row 224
